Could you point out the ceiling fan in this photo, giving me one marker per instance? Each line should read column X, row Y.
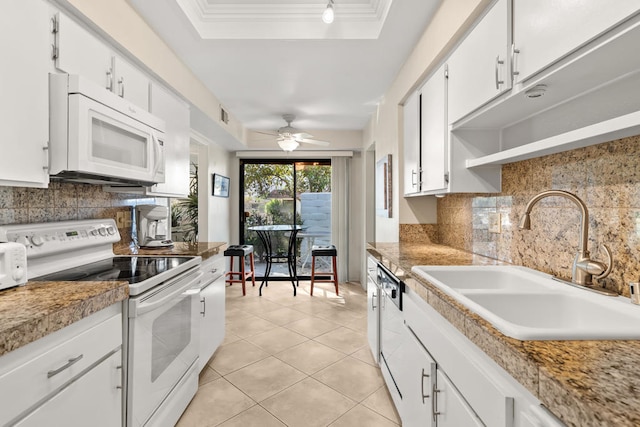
column 289, row 138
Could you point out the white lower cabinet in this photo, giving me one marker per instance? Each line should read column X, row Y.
column 446, row 380
column 77, row 407
column 417, row 381
column 373, row 314
column 212, row 300
column 72, row 377
column 450, row 409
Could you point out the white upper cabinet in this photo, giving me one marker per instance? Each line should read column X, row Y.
column 546, row 30
column 130, row 83
column 24, row 100
column 479, row 67
column 434, row 133
column 80, row 52
column 175, row 113
column 411, row 144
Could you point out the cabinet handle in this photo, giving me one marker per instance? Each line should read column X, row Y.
column 121, row 85
column 499, row 62
column 514, row 51
column 373, row 300
column 424, row 396
column 119, row 387
column 70, row 362
column 215, row 270
column 434, row 403
column 204, row 306
column 110, row 80
column 413, row 174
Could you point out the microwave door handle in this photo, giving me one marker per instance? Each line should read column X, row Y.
column 146, row 307
column 156, row 154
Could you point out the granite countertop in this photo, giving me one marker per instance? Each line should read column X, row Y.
column 32, row 311
column 202, row 249
column 37, row 309
column 584, row 383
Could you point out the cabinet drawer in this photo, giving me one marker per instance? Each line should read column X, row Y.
column 67, row 354
column 471, row 374
column 212, row 269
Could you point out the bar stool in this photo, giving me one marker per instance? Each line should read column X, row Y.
column 327, row 251
column 240, row 251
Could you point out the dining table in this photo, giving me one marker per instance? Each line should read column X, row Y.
column 266, row 234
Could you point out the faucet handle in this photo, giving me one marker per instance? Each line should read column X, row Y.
column 609, row 264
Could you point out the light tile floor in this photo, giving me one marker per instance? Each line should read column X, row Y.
column 293, row 361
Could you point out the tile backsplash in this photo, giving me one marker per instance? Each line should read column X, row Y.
column 605, row 176
column 64, row 201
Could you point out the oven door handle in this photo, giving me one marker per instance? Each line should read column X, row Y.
column 187, row 288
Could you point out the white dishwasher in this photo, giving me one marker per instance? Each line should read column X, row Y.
column 393, row 333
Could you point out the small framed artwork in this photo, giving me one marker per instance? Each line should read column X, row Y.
column 220, row 185
column 384, row 199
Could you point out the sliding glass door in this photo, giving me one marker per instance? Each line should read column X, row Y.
column 286, row 192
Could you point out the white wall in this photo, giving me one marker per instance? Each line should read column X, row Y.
column 385, row 129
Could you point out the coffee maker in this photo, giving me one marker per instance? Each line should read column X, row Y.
column 151, row 226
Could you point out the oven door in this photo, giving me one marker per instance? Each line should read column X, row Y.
column 163, row 343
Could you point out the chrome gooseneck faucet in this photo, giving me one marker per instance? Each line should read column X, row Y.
column 584, row 268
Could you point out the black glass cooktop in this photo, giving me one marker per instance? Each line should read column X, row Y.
column 134, row 269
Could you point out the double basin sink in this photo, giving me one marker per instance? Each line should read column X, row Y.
column 529, row 305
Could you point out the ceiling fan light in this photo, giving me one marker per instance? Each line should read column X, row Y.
column 328, row 15
column 288, row 144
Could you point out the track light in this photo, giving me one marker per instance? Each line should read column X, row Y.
column 327, row 15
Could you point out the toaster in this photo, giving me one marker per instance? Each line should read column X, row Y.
column 13, row 265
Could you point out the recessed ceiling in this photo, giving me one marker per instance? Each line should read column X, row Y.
column 285, row 19
column 329, row 83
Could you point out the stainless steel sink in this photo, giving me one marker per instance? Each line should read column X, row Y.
column 529, row 305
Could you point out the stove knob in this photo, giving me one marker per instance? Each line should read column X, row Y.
column 18, row 274
column 111, row 230
column 103, row 231
column 37, row 240
column 94, row 232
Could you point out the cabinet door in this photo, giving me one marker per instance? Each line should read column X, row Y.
column 130, row 83
column 417, row 383
column 411, row 144
column 434, row 135
column 478, row 68
column 80, row 52
column 212, row 300
column 24, row 104
column 373, row 312
column 546, row 30
column 95, row 399
column 451, row 410
column 175, row 113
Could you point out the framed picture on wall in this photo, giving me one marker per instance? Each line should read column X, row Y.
column 220, row 185
column 383, row 187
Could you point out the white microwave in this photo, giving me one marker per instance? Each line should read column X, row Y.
column 99, row 138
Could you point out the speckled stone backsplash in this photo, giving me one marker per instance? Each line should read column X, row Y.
column 605, row 176
column 63, row 201
column 419, row 233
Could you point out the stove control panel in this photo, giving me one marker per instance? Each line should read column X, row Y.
column 59, row 237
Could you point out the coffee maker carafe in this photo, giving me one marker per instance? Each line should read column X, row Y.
column 151, row 226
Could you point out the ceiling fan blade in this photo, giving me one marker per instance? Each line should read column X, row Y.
column 301, row 135
column 314, row 142
column 265, row 133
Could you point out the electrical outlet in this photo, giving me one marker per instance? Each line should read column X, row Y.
column 121, row 219
column 495, row 223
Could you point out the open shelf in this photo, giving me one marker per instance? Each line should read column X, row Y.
column 608, row 130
